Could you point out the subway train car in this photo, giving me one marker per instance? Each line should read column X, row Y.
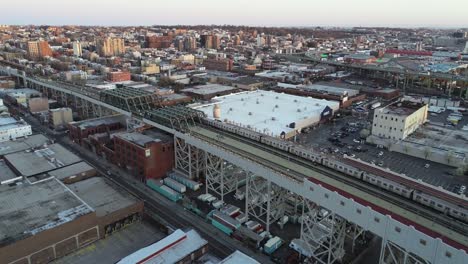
column 441, row 200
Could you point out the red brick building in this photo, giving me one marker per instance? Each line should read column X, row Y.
column 146, row 155
column 218, row 64
column 78, row 131
column 158, row 42
column 119, row 76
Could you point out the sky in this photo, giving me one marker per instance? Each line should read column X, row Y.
column 348, row 13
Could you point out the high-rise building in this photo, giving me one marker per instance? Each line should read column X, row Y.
column 110, row 46
column 466, row 48
column 216, row 42
column 206, row 41
column 190, row 44
column 236, row 40
column 77, row 51
column 39, row 49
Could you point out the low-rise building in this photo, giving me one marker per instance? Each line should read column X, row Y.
column 119, row 76
column 60, row 117
column 38, row 104
column 82, row 129
column 208, row 91
column 146, row 155
column 178, row 247
column 398, row 120
column 11, row 128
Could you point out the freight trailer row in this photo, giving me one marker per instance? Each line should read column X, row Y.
column 192, row 185
column 176, row 186
column 164, row 190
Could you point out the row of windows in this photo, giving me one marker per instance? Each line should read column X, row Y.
column 393, row 119
column 431, row 202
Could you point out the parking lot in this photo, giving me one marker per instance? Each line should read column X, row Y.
column 433, row 173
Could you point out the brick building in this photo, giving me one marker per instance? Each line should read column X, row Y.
column 119, row 76
column 159, row 42
column 39, row 49
column 218, row 64
column 78, row 131
column 146, row 155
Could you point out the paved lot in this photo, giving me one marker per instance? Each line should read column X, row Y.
column 437, row 174
column 116, row 246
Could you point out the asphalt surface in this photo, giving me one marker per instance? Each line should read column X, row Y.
column 437, row 174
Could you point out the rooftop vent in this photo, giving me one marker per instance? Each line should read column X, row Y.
column 250, row 113
column 295, row 100
column 276, row 97
column 276, row 106
column 299, row 110
column 258, row 102
column 273, row 118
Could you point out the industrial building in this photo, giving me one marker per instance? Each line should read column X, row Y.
column 31, row 142
column 345, row 96
column 276, row 114
column 48, row 220
column 208, row 91
column 11, row 128
column 178, row 247
column 30, row 163
column 82, row 129
column 146, row 155
column 398, row 120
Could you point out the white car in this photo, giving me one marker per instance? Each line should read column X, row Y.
column 356, row 141
column 380, row 154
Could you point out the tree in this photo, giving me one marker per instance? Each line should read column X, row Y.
column 364, row 133
column 405, row 148
column 427, row 152
column 166, row 82
column 449, row 157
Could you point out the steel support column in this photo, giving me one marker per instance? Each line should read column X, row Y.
column 265, row 200
column 323, row 233
column 391, row 253
column 188, row 159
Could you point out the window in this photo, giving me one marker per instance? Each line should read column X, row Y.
column 422, row 242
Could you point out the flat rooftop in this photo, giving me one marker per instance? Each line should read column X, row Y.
column 29, row 209
column 404, row 108
column 73, row 169
column 137, row 138
column 170, row 249
column 6, row 174
column 266, row 111
column 208, row 89
column 328, row 89
column 238, row 257
column 21, row 144
column 102, row 195
column 42, row 160
column 106, row 120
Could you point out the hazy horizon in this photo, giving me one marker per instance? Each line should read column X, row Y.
column 292, row 13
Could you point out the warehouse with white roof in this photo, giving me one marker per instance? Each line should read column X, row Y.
column 275, row 114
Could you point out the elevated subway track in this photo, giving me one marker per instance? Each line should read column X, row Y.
column 356, row 206
column 397, row 207
column 451, row 223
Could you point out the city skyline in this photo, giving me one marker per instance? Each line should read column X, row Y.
column 301, row 13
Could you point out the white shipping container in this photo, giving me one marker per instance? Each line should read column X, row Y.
column 175, row 185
